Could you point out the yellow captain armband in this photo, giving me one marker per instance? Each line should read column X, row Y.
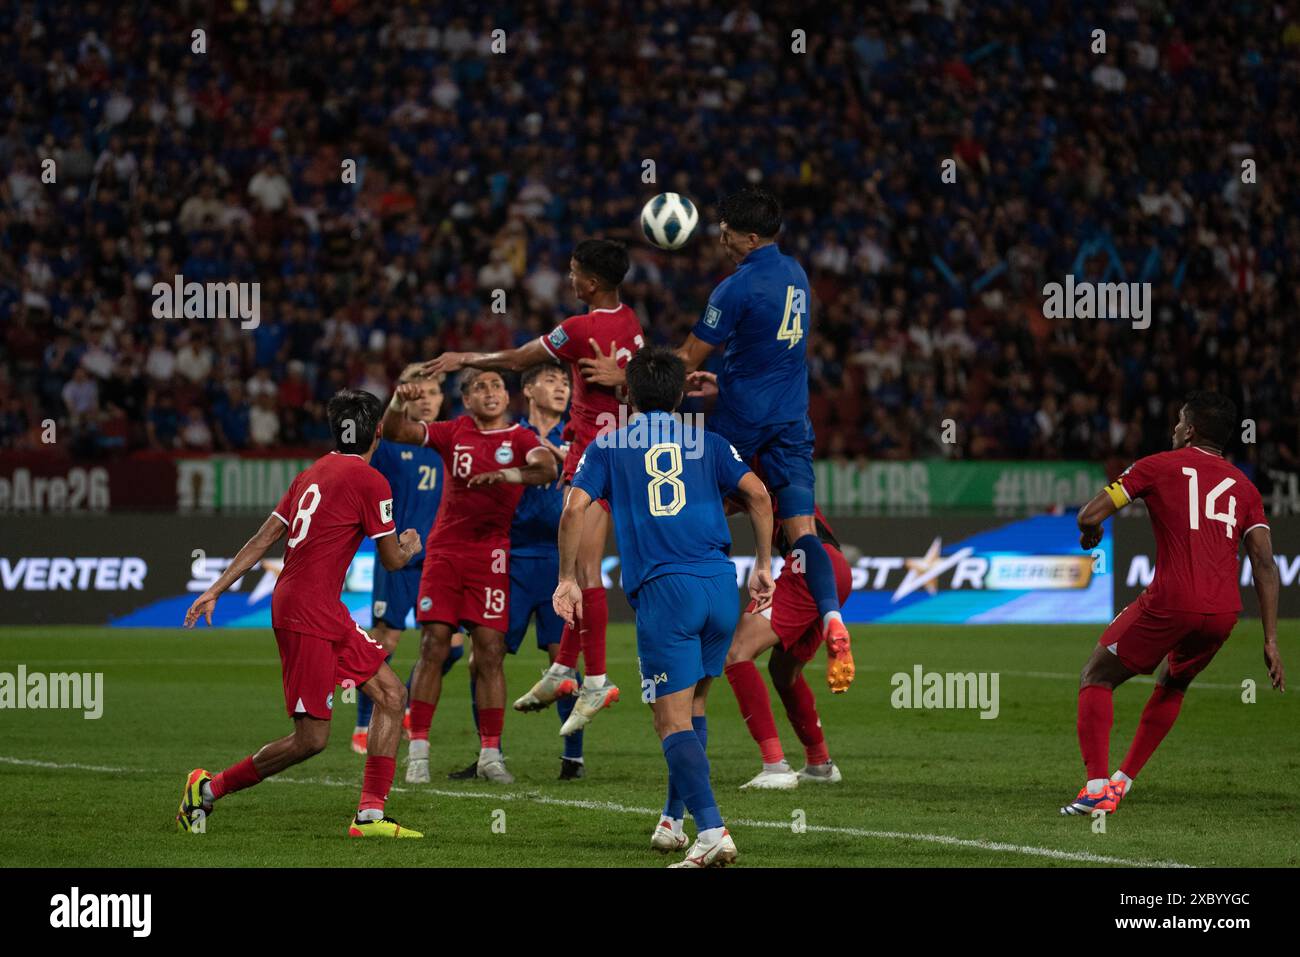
column 1117, row 494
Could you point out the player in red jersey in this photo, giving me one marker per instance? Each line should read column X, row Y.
column 326, row 511
column 1202, row 508
column 790, row 625
column 596, row 271
column 466, row 575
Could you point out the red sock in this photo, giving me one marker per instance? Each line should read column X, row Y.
column 570, row 646
column 1096, row 714
column 595, row 618
column 235, row 778
column 376, row 782
column 801, row 709
column 421, row 718
column 755, row 709
column 1157, row 718
column 490, row 723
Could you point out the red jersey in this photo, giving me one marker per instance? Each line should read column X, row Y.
column 328, row 508
column 595, row 407
column 479, row 517
column 1201, row 508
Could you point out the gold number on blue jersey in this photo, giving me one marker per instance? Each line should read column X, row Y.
column 791, row 330
column 428, row 478
column 665, row 478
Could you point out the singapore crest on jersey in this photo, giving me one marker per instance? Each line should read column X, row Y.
column 505, row 454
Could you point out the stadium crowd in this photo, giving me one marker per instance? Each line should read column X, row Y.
column 477, row 170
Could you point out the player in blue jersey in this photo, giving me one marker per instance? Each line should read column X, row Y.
column 534, row 554
column 415, row 475
column 759, row 315
column 665, row 483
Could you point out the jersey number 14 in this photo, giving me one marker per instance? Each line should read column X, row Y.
column 1229, row 518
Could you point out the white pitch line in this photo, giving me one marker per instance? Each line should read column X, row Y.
column 536, row 797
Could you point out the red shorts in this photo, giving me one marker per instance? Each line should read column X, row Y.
column 310, row 668
column 793, row 611
column 1141, row 637
column 466, row 587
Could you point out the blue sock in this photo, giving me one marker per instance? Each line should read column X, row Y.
column 366, row 707
column 473, row 700
column 819, row 574
column 458, row 650
column 564, row 708
column 688, row 775
column 701, row 725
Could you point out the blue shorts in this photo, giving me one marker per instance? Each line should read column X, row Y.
column 532, row 583
column 784, row 453
column 394, row 594
column 684, row 625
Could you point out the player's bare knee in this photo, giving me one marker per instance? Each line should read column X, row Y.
column 434, row 649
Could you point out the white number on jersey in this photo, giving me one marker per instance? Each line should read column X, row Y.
column 665, row 477
column 461, row 462
column 302, row 517
column 622, row 357
column 1229, row 518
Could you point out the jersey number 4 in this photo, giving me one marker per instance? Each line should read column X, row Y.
column 791, row 330
column 1229, row 518
column 665, row 476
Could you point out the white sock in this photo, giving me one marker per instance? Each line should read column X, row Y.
column 593, row 681
column 488, row 755
column 1096, row 786
column 674, row 822
column 1121, row 776
column 370, row 814
column 782, row 765
column 361, row 729
column 574, row 760
column 711, row 836
column 205, row 789
column 559, row 670
column 831, row 616
column 418, row 751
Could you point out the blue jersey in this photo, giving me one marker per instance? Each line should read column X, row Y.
column 761, row 312
column 415, row 474
column 664, row 482
column 537, row 517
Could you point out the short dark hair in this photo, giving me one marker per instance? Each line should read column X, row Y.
column 656, row 379
column 533, row 373
column 604, row 259
column 470, row 376
column 751, row 210
column 1214, row 416
column 354, row 413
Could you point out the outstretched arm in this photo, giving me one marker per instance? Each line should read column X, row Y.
column 693, row 352
column 272, row 531
column 539, row 470
column 753, row 494
column 397, row 427
column 1259, row 547
column 506, row 360
column 567, row 600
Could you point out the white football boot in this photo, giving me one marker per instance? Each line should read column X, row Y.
column 718, row 854
column 828, row 773
column 591, row 701
column 492, row 767
column 554, row 684
column 417, row 762
column 779, row 778
column 665, row 840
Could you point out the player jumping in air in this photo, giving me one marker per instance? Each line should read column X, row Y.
column 596, row 270
column 1202, row 507
column 466, row 577
column 759, row 314
column 534, row 554
column 674, row 544
column 790, row 626
column 326, row 511
column 415, row 476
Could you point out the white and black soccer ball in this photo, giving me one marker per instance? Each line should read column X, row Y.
column 669, row 220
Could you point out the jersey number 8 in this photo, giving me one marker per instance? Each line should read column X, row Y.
column 302, row 517
column 665, row 478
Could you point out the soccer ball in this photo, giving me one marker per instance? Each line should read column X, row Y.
column 668, row 220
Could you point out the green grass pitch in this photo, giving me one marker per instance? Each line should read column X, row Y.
column 921, row 788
